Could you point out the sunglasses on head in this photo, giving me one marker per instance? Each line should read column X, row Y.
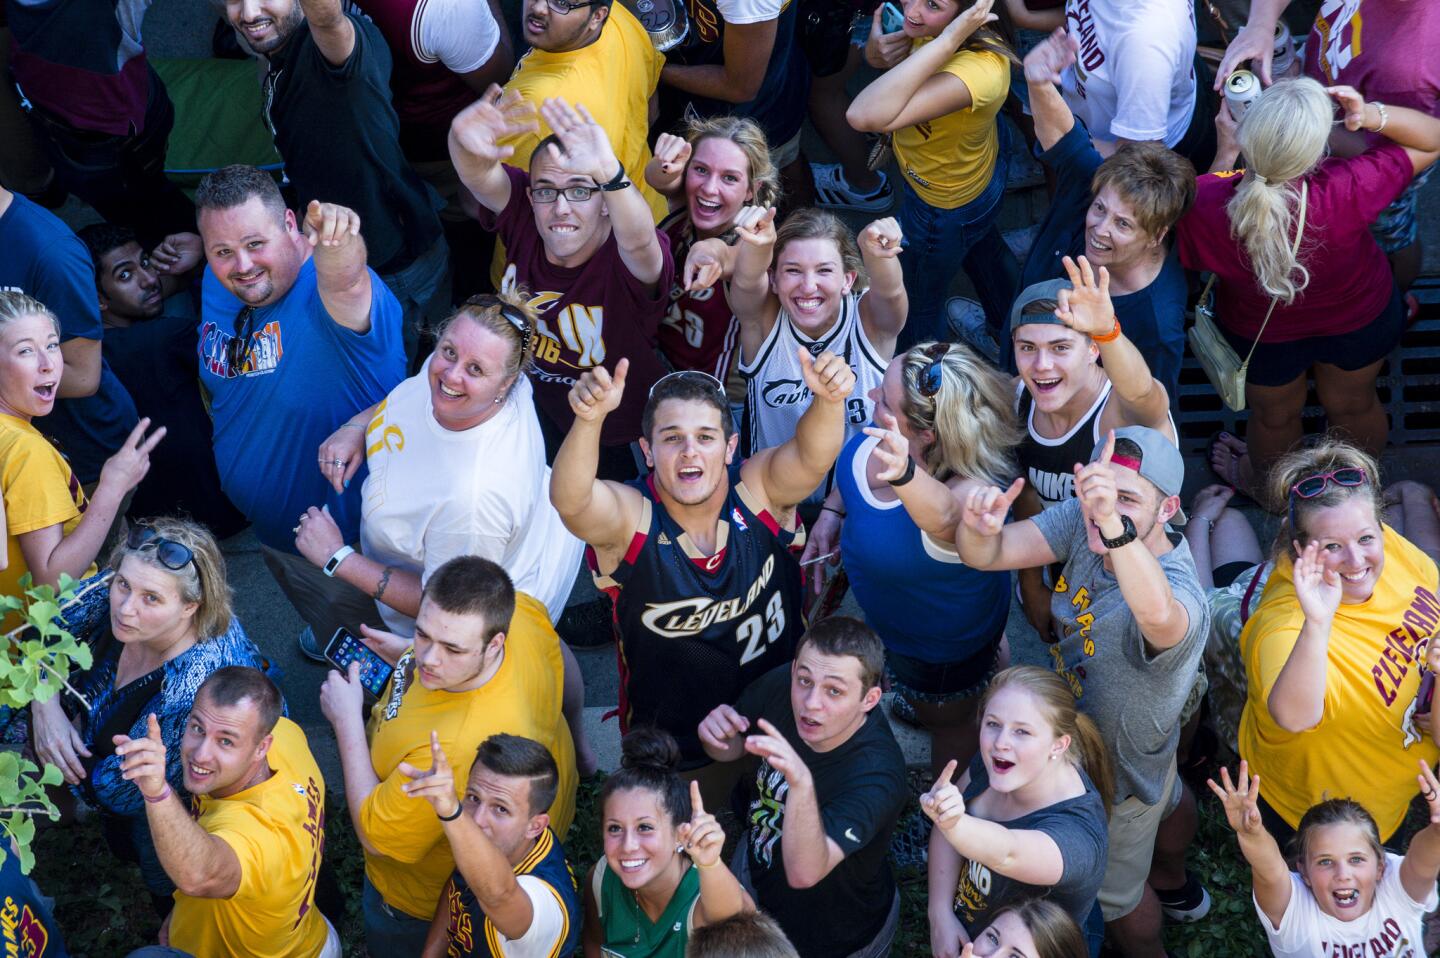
column 509, row 313
column 172, row 555
column 695, row 374
column 1312, row 486
column 932, row 377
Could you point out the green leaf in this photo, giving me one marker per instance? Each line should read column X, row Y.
column 51, row 775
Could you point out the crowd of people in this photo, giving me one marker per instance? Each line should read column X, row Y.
column 512, row 307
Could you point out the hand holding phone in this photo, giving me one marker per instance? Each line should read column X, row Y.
column 344, row 648
column 892, row 18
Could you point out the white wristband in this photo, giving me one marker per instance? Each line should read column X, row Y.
column 334, row 561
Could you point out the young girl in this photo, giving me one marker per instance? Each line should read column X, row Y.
column 947, row 76
column 662, row 875
column 719, row 167
column 1346, row 891
column 1033, row 817
column 808, row 301
column 1035, row 928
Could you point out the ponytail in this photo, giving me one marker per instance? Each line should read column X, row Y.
column 1094, row 758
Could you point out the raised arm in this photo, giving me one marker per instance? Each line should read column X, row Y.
column 756, row 308
column 916, row 90
column 601, row 512
column 1043, row 68
column 1025, row 855
column 788, row 473
column 82, row 368
column 1268, row 871
column 986, row 541
column 666, row 170
column 932, row 505
column 1418, row 133
column 708, row 262
column 739, row 75
column 1297, row 700
column 721, row 896
column 884, row 306
column 333, row 32
column 475, row 149
column 341, row 275
column 1255, row 42
column 1422, row 859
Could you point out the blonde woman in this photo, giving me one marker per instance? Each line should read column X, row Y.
column 719, row 167
column 945, row 426
column 1337, row 313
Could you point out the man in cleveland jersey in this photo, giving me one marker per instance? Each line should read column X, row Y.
column 697, row 555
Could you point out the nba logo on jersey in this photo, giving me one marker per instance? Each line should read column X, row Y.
column 738, row 519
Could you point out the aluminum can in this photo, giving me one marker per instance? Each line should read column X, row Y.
column 1241, row 89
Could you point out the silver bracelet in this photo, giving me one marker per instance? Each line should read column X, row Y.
column 1209, row 523
column 1384, row 115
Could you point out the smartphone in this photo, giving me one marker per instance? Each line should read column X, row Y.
column 344, row 648
column 1424, row 697
column 892, row 18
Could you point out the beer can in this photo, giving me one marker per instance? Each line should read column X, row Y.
column 1241, row 89
column 1284, row 58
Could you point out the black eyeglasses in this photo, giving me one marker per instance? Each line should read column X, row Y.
column 509, row 313
column 1312, row 486
column 562, row 6
column 546, row 195
column 932, row 377
column 237, row 351
column 696, row 374
column 172, row 555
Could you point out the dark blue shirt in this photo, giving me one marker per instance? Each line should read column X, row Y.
column 44, row 259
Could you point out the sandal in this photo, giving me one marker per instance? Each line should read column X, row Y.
column 1226, row 466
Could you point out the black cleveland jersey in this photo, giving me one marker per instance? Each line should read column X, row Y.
column 694, row 630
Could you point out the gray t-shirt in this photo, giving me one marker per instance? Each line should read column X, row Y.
column 1133, row 694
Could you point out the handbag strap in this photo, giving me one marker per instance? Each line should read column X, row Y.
column 1294, row 251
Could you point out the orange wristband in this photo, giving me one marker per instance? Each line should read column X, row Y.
column 1111, row 336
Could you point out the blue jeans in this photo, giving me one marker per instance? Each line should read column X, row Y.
column 423, row 288
column 937, row 241
column 389, row 931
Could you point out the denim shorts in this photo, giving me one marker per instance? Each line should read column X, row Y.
column 1395, row 228
column 939, row 683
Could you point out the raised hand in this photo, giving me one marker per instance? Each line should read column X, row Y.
column 672, row 153
column 1241, row 799
column 1352, row 103
column 828, row 376
column 497, row 115
column 178, row 253
column 943, row 804
column 779, row 753
column 882, row 238
column 1430, row 790
column 723, row 728
column 985, row 509
column 346, row 446
column 437, row 785
column 596, row 393
column 586, row 148
column 142, row 760
column 1317, row 588
column 1095, row 484
column 1086, row 306
column 1253, row 43
column 1051, row 58
column 318, row 537
column 893, row 449
column 702, row 835
column 131, row 461
column 979, row 13
column 329, row 224
column 756, row 225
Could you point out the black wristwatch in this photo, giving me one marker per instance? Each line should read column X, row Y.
column 617, row 182
column 1126, row 537
column 908, row 474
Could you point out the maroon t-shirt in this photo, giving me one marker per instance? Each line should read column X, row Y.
column 1350, row 279
column 590, row 315
column 700, row 331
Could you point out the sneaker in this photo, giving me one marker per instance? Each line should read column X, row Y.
column 967, row 325
column 832, row 190
column 1190, row 902
column 310, row 648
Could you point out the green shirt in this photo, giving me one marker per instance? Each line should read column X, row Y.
column 629, row 932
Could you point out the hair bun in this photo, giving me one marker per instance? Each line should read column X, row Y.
column 649, row 747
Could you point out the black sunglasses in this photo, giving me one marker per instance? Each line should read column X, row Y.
column 237, row 351
column 172, row 555
column 932, row 377
column 508, row 312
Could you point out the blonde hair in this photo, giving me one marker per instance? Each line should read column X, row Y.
column 810, row 223
column 747, row 135
column 1087, row 749
column 487, row 310
column 1283, row 135
column 15, row 305
column 1326, row 455
column 972, row 416
column 201, row 580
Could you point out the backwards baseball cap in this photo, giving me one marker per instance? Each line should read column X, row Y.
column 1159, row 461
column 1035, row 293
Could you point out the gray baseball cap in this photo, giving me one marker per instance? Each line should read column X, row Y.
column 1049, row 289
column 1160, row 461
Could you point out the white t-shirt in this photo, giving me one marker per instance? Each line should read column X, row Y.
column 1134, row 78
column 751, row 11
column 1390, row 929
column 548, row 923
column 433, row 494
column 462, row 34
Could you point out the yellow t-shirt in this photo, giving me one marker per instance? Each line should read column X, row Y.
column 40, row 490
column 948, row 161
column 277, row 830
column 523, row 698
column 614, row 78
column 1366, row 746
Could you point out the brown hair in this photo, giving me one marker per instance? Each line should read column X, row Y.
column 1055, row 932
column 514, row 756
column 1326, row 455
column 201, row 580
column 470, row 585
column 233, row 684
column 748, row 136
column 841, row 635
column 753, row 935
column 810, row 223
column 1335, row 811
column 972, row 416
column 1155, row 181
column 1057, row 702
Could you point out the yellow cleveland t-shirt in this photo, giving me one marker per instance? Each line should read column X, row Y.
column 948, row 160
column 277, row 830
column 40, row 490
column 614, row 78
column 523, row 698
column 1366, row 746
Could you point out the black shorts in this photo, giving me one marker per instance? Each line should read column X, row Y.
column 1279, row 364
column 942, row 682
column 1229, row 572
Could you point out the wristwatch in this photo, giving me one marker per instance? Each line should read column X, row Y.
column 1126, row 536
column 333, row 563
column 617, row 182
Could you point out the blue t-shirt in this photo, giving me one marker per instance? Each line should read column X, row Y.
column 1153, row 318
column 44, row 259
column 305, row 376
column 28, row 927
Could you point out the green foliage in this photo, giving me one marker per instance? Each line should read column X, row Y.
column 36, row 658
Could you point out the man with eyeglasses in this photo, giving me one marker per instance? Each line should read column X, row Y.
column 581, row 239
column 327, row 103
column 296, row 333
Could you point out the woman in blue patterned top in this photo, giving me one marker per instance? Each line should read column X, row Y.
column 170, row 627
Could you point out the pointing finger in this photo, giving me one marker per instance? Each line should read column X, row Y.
column 1109, row 450
column 697, row 804
column 946, row 775
column 153, row 727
